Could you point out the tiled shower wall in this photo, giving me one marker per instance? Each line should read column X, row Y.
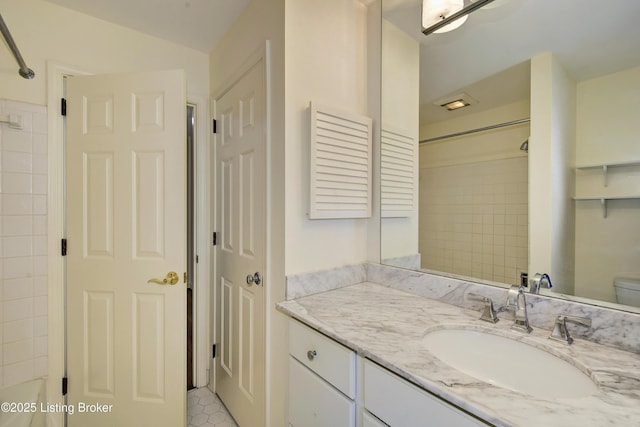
column 474, row 219
column 23, row 244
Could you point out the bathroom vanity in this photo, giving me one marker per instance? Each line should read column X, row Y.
column 358, row 357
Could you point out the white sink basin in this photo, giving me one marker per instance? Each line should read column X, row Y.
column 509, row 364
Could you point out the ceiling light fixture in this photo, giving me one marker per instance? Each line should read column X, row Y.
column 439, row 16
column 454, row 105
column 456, row 101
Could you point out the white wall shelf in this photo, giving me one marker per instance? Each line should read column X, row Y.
column 606, row 166
column 604, row 199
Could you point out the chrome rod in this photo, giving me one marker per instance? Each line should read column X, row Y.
column 459, row 14
column 482, row 129
column 24, row 71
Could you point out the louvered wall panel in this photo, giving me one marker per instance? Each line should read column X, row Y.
column 398, row 153
column 340, row 182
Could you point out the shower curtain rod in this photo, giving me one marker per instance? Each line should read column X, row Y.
column 482, row 129
column 24, row 71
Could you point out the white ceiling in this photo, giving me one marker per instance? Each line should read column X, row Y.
column 198, row 24
column 589, row 37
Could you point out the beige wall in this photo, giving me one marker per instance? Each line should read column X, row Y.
column 400, row 108
column 607, row 129
column 46, row 32
column 473, row 197
column 326, row 62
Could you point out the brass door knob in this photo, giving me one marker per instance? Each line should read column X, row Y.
column 171, row 279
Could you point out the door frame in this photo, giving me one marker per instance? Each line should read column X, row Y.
column 56, row 230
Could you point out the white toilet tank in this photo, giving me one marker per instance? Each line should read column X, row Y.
column 627, row 290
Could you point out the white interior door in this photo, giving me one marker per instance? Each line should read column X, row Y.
column 126, row 224
column 241, row 226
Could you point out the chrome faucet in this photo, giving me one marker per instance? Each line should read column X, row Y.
column 517, row 302
column 560, row 331
column 538, row 281
column 488, row 313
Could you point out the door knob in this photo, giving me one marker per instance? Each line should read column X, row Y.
column 171, row 279
column 254, row 278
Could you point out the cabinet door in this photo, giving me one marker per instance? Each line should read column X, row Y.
column 369, row 420
column 315, row 403
column 401, row 404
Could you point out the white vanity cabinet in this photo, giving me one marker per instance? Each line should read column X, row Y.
column 322, row 380
column 326, row 390
column 399, row 403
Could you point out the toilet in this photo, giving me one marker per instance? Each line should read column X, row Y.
column 627, row 290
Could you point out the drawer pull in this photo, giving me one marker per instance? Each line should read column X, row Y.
column 311, row 354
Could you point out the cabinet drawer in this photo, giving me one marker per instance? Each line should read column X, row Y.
column 315, row 403
column 332, row 361
column 401, row 404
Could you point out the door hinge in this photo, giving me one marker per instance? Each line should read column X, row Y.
column 215, row 126
column 64, row 386
column 215, row 238
column 63, row 106
column 213, row 351
column 63, row 247
column 197, row 259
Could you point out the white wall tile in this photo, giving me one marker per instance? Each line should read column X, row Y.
column 16, row 246
column 469, row 214
column 23, row 245
column 40, row 306
column 40, row 123
column 13, row 161
column 40, row 286
column 40, row 325
column 39, row 184
column 14, row 268
column 17, row 373
column 39, row 245
column 18, row 330
column 40, row 265
column 40, row 366
column 39, row 144
column 40, row 346
column 15, row 204
column 16, row 140
column 40, row 163
column 17, row 288
column 16, row 183
column 17, row 309
column 16, row 225
column 18, row 351
column 39, row 205
column 39, row 223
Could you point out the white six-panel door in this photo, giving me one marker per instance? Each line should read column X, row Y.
column 241, row 227
column 125, row 162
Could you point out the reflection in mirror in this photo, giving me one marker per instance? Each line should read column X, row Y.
column 538, row 170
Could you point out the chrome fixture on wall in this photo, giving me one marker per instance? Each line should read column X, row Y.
column 24, row 71
column 437, row 14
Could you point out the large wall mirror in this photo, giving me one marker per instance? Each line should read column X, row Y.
column 538, row 171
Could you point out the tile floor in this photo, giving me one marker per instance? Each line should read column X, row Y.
column 204, row 409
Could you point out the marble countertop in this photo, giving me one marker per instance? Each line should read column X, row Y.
column 387, row 326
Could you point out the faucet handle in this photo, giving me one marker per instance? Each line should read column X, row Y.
column 489, row 312
column 560, row 331
column 539, row 281
column 512, row 297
